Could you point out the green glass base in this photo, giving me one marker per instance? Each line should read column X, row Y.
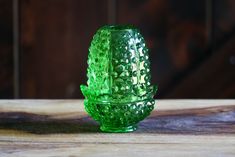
column 118, row 129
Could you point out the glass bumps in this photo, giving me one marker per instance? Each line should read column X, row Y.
column 119, row 93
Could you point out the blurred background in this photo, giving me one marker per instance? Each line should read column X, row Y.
column 44, row 45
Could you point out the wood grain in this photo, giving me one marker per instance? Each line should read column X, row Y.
column 62, row 128
column 55, row 36
column 218, row 81
column 6, row 49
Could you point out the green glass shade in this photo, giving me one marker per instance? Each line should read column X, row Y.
column 119, row 93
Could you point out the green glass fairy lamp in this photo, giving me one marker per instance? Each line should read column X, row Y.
column 119, row 93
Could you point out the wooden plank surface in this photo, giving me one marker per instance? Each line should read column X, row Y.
column 62, row 128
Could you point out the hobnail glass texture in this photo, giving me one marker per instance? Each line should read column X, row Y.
column 119, row 93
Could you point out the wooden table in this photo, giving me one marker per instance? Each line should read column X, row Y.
column 33, row 128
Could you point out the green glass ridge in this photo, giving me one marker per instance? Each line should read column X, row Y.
column 119, row 93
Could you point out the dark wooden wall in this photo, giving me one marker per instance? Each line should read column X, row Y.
column 191, row 45
column 6, row 49
column 55, row 36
